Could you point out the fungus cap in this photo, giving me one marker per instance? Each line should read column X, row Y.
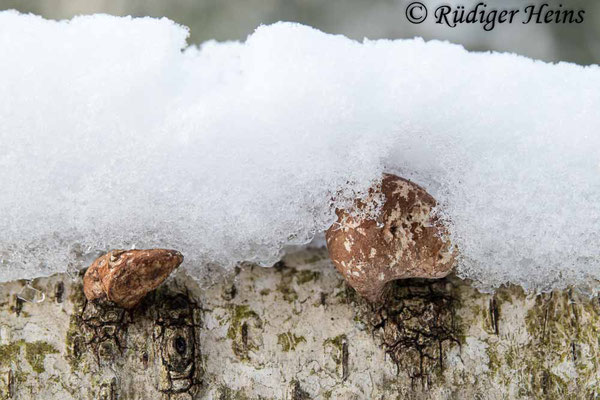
column 405, row 240
column 126, row 276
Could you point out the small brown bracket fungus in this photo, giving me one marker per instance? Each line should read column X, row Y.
column 406, row 240
column 126, row 276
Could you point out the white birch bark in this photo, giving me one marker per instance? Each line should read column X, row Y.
column 298, row 332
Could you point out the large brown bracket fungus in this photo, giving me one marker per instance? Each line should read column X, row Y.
column 405, row 240
column 126, row 276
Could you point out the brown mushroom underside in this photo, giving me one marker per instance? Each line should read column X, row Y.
column 126, row 276
column 406, row 240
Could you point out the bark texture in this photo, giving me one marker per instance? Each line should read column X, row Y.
column 297, row 331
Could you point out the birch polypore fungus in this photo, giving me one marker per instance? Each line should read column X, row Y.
column 405, row 240
column 126, row 276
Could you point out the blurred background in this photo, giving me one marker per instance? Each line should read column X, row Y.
column 373, row 19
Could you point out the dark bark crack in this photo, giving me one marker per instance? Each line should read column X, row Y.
column 172, row 322
column 417, row 325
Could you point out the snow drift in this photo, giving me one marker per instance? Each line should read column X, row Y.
column 115, row 133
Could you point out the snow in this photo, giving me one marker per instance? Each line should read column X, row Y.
column 115, row 133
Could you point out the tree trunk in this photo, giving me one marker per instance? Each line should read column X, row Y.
column 296, row 331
